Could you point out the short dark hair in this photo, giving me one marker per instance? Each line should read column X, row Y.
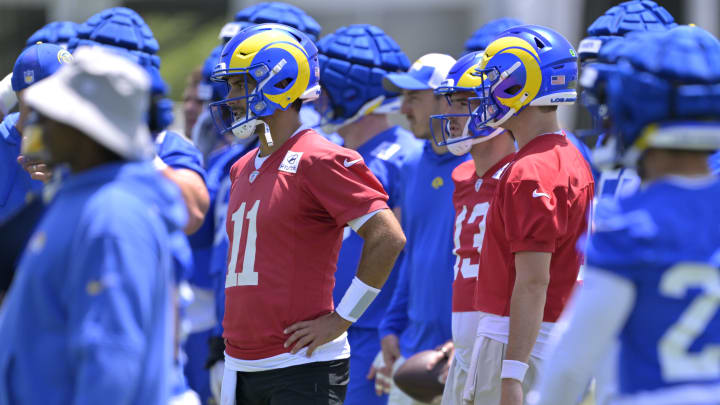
column 297, row 105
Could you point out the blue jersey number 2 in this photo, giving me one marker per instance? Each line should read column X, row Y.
column 676, row 361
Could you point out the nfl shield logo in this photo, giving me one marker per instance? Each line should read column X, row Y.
column 29, row 76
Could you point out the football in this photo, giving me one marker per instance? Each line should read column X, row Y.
column 414, row 378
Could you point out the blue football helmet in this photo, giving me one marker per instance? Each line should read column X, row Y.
column 281, row 61
column 463, row 76
column 599, row 52
column 124, row 31
column 527, row 65
column 56, row 32
column 626, row 17
column 274, row 12
column 666, row 95
column 353, row 62
column 481, row 38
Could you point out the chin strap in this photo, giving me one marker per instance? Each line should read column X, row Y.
column 268, row 137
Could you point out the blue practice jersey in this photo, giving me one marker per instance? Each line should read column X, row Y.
column 665, row 240
column 15, row 182
column 387, row 155
column 179, row 152
column 421, row 308
column 88, row 318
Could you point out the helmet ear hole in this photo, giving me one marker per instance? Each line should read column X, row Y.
column 513, row 90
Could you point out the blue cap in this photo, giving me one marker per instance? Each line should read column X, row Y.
column 481, row 38
column 56, row 32
column 427, row 73
column 280, row 13
column 36, row 63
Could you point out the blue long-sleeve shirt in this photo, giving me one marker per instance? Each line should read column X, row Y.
column 421, row 308
column 88, row 319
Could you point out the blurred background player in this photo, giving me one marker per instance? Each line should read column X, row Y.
column 122, row 31
column 93, row 287
column 529, row 263
column 412, row 322
column 475, row 182
column 20, row 204
column 617, row 22
column 598, row 53
column 297, row 191
column 353, row 61
column 655, row 252
column 34, row 64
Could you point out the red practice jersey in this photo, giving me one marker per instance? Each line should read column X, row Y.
column 541, row 205
column 471, row 198
column 285, row 223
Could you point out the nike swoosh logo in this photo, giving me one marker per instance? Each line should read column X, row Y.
column 536, row 194
column 347, row 163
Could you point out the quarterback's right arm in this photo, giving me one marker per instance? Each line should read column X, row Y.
column 383, row 241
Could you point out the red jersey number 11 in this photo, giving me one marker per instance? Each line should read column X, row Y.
column 248, row 275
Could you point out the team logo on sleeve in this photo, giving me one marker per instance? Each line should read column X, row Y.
column 291, row 162
column 29, row 76
column 437, row 182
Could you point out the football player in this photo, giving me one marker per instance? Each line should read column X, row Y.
column 412, row 323
column 654, row 257
column 92, row 291
column 289, row 202
column 354, row 103
column 34, row 64
column 475, row 182
column 528, row 263
column 124, row 32
column 595, row 59
column 220, row 162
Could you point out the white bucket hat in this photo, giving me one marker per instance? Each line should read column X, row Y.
column 102, row 94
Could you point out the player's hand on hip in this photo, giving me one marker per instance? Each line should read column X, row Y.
column 511, row 392
column 316, row 332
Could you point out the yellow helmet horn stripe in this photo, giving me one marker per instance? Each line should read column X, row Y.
column 468, row 79
column 245, row 52
column 301, row 81
column 530, row 62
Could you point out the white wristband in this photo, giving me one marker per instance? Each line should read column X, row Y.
column 514, row 369
column 356, row 300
